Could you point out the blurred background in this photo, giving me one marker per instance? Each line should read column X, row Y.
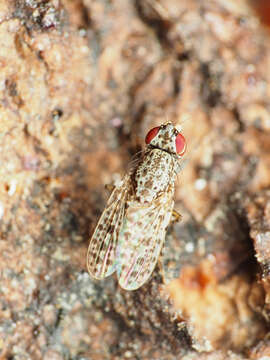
column 81, row 83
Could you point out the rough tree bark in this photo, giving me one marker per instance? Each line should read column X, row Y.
column 80, row 84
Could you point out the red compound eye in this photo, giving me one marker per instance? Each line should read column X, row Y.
column 180, row 144
column 151, row 134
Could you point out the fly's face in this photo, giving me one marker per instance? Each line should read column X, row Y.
column 166, row 137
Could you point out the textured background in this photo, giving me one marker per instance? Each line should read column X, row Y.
column 81, row 82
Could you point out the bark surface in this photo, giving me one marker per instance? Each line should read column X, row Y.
column 81, row 83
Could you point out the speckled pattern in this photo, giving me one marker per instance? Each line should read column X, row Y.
column 131, row 231
column 102, row 247
column 153, row 175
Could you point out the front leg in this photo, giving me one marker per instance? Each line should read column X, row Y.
column 110, row 188
column 176, row 217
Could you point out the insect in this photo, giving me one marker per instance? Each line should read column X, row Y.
column 131, row 231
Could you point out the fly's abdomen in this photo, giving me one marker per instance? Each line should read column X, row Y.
column 153, row 175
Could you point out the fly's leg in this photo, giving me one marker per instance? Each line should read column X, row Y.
column 109, row 188
column 160, row 267
column 176, row 217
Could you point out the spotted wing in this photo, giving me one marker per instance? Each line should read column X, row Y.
column 141, row 239
column 102, row 246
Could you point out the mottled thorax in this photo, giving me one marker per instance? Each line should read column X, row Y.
column 154, row 174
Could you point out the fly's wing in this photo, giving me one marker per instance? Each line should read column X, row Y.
column 102, row 246
column 141, row 239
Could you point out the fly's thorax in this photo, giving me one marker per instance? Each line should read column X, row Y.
column 154, row 174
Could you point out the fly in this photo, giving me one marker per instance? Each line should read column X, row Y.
column 131, row 231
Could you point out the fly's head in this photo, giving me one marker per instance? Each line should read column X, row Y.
column 166, row 137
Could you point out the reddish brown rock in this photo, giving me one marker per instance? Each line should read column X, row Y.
column 81, row 83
